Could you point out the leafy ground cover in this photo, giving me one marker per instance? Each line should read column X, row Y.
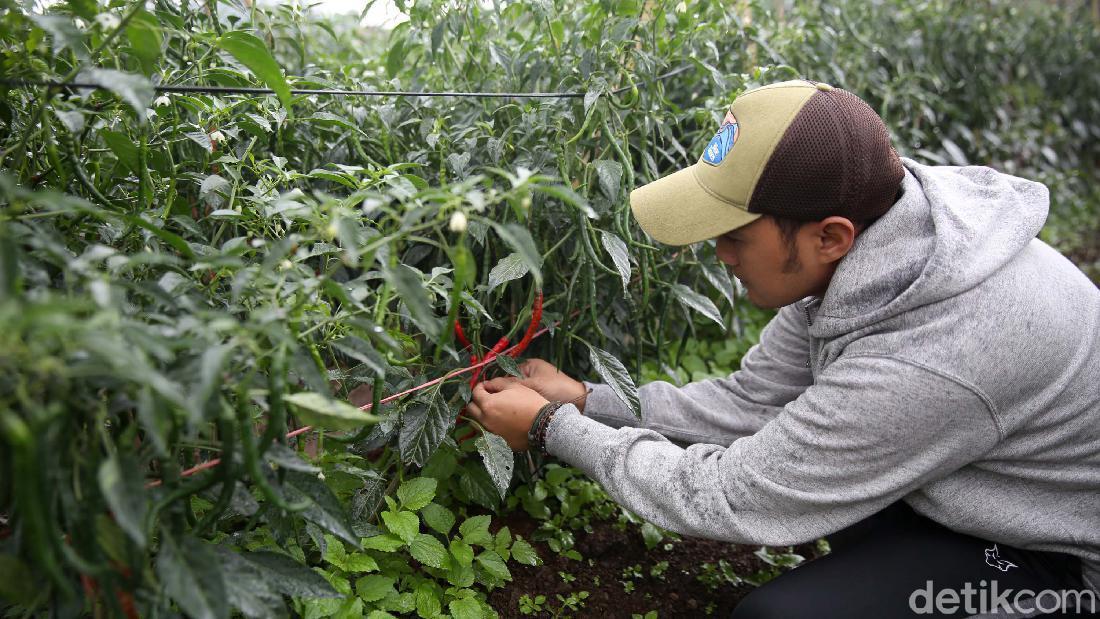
column 193, row 285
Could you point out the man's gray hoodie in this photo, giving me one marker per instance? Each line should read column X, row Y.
column 953, row 363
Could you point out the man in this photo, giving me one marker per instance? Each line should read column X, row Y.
column 927, row 397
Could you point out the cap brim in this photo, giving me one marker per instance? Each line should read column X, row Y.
column 676, row 210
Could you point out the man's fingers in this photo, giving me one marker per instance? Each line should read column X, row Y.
column 473, row 411
column 499, row 383
column 479, row 393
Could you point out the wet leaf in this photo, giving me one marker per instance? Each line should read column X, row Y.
column 615, row 375
column 513, row 266
column 693, row 300
column 610, row 174
column 620, row 255
column 424, row 424
column 498, row 459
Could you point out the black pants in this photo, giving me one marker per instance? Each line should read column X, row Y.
column 900, row 564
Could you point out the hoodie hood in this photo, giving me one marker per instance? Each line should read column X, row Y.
column 952, row 228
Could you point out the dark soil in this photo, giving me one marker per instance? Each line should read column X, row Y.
column 678, row 594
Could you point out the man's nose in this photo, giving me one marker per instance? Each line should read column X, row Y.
column 726, row 254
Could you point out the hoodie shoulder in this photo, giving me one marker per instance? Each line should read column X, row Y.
column 952, row 229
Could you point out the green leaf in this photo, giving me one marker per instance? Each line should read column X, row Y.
column 322, row 412
column 123, row 148
column 252, row 53
column 427, row 602
column 568, row 196
column 651, row 535
column 461, row 575
column 416, row 493
column 428, row 550
column 610, row 174
column 620, row 255
column 475, row 485
column 326, row 511
column 475, row 531
column 498, row 459
column 261, row 579
column 83, row 8
column 462, row 552
column 124, row 490
column 524, row 552
column 361, row 562
column 693, row 300
column 614, row 374
column 191, row 575
column 288, row 576
column 383, row 543
column 395, row 58
column 374, row 587
column 136, row 90
column 143, row 32
column 438, row 518
column 719, row 277
column 334, row 553
column 402, row 524
column 63, row 33
column 509, row 365
column 519, row 239
column 424, row 424
column 513, row 266
column 465, row 608
column 212, row 188
column 502, row 541
column 287, row 458
column 364, row 353
column 493, row 564
column 408, row 283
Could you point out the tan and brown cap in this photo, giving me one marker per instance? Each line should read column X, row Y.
column 798, row 150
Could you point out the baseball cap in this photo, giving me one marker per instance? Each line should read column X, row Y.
column 799, row 150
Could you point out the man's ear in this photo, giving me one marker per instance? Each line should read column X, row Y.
column 833, row 238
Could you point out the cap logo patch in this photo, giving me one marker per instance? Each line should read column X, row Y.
column 720, row 145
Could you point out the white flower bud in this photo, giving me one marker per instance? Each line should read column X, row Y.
column 458, row 222
column 285, row 265
column 107, row 21
column 162, row 101
column 321, row 475
column 682, row 7
column 217, row 136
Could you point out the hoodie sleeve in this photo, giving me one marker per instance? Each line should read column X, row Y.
column 772, row 373
column 870, row 431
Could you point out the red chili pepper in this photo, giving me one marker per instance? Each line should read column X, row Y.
column 461, row 335
column 497, row 348
column 473, row 375
column 536, row 319
column 90, row 586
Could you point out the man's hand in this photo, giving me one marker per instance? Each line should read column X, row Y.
column 552, row 383
column 507, row 408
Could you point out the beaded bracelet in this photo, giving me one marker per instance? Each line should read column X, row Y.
column 536, row 436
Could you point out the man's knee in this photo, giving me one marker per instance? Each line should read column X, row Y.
column 770, row 601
